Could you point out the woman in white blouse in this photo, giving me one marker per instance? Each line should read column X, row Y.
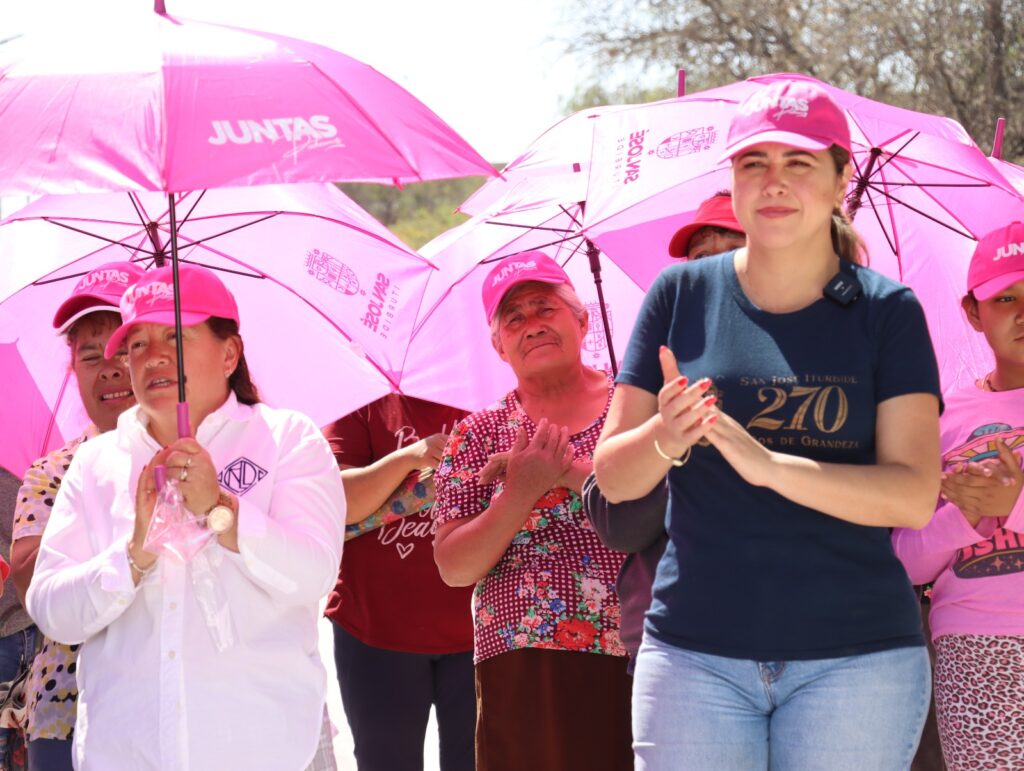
column 157, row 691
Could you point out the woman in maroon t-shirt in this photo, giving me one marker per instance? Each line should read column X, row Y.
column 403, row 640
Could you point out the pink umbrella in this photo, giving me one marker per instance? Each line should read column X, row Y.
column 158, row 103
column 922, row 193
column 552, row 171
column 29, row 429
column 327, row 295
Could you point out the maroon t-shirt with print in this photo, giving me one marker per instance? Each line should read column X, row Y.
column 389, row 593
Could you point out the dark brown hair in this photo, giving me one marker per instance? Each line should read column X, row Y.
column 845, row 241
column 239, row 381
column 92, row 322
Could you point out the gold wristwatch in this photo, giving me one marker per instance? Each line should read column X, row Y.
column 221, row 516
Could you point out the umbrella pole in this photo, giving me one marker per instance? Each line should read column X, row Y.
column 853, row 202
column 997, row 140
column 594, row 255
column 184, row 429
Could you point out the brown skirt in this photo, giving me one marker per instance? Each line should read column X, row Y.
column 547, row 710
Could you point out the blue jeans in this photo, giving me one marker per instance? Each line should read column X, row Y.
column 698, row 711
column 14, row 648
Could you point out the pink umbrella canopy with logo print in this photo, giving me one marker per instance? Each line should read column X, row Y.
column 162, row 104
column 158, row 104
column 326, row 294
column 922, row 194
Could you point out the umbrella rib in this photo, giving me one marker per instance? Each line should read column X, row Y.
column 894, row 155
column 529, row 227
column 192, row 208
column 955, row 217
column 575, row 220
column 937, row 184
column 889, row 237
column 220, row 268
column 881, row 225
column 98, row 236
column 891, row 197
column 244, row 225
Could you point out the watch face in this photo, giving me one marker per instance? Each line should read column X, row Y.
column 220, row 518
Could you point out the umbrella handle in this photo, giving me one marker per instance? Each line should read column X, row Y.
column 184, row 428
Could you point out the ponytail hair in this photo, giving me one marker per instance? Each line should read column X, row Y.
column 845, row 241
column 239, row 381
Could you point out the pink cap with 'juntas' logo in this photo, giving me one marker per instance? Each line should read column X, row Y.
column 98, row 290
column 517, row 269
column 151, row 301
column 998, row 261
column 791, row 112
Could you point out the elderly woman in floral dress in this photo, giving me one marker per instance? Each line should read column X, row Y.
column 552, row 687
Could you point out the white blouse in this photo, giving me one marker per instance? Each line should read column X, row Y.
column 155, row 693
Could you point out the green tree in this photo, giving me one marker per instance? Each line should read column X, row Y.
column 419, row 211
column 955, row 58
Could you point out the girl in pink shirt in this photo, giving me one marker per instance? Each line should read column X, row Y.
column 973, row 548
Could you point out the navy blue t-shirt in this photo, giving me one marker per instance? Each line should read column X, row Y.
column 748, row 573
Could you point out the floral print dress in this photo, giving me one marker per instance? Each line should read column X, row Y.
column 554, row 587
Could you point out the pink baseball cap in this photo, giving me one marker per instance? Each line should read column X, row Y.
column 517, row 269
column 790, row 112
column 151, row 301
column 998, row 261
column 98, row 290
column 715, row 212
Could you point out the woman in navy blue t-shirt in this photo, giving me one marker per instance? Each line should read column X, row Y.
column 792, row 395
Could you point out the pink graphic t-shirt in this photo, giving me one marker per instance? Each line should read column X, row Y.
column 554, row 587
column 978, row 571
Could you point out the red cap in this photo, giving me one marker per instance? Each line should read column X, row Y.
column 98, row 290
column 998, row 261
column 790, row 112
column 715, row 212
column 517, row 269
column 151, row 301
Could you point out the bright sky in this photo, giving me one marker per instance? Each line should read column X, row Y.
column 493, row 71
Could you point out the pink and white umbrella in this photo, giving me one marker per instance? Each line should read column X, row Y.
column 163, row 104
column 327, row 295
column 158, row 104
column 552, row 171
column 922, row 194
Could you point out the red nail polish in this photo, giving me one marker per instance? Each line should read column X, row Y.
column 683, row 380
column 710, row 400
column 710, row 419
column 705, row 384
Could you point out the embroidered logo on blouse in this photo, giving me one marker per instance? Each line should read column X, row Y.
column 240, row 476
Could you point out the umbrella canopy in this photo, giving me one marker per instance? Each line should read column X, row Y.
column 552, row 171
column 327, row 295
column 1014, row 174
column 29, row 426
column 162, row 104
column 922, row 193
